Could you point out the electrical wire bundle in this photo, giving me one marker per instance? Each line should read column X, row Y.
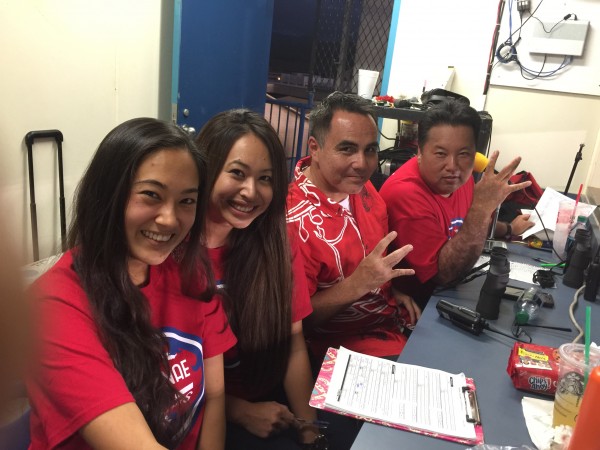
column 507, row 52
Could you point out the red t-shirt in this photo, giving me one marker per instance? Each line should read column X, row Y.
column 301, row 308
column 424, row 219
column 334, row 241
column 77, row 380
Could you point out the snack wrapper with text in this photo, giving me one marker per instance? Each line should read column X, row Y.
column 534, row 368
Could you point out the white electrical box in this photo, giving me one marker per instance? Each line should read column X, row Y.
column 566, row 38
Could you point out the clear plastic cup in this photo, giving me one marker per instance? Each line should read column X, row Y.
column 563, row 225
column 572, row 371
column 566, row 221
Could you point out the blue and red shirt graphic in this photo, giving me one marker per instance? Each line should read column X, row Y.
column 454, row 226
column 185, row 356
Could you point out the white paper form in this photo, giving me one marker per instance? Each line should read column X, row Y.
column 405, row 394
column 547, row 206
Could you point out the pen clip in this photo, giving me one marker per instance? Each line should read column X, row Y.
column 471, row 406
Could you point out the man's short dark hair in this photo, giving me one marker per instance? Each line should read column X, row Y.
column 449, row 112
column 322, row 114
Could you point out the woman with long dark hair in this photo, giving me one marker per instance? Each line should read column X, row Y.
column 131, row 346
column 253, row 262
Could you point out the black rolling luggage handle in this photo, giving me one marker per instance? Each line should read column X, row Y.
column 29, row 140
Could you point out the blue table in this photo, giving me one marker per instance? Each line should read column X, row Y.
column 437, row 343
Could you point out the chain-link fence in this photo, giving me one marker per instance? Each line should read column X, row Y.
column 341, row 37
column 350, row 35
column 318, row 46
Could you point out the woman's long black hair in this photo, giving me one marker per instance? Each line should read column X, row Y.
column 258, row 275
column 100, row 252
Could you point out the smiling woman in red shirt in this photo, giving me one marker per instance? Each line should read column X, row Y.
column 267, row 375
column 130, row 345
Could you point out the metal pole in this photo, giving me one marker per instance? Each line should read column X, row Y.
column 578, row 158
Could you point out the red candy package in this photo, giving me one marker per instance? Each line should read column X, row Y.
column 534, row 368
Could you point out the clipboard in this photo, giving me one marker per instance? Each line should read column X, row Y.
column 321, row 388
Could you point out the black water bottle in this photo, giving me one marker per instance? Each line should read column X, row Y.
column 494, row 285
column 578, row 259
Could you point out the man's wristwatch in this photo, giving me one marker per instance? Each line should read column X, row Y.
column 508, row 231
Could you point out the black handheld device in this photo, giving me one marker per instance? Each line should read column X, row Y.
column 462, row 317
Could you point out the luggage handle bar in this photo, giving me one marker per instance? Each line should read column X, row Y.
column 29, row 141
